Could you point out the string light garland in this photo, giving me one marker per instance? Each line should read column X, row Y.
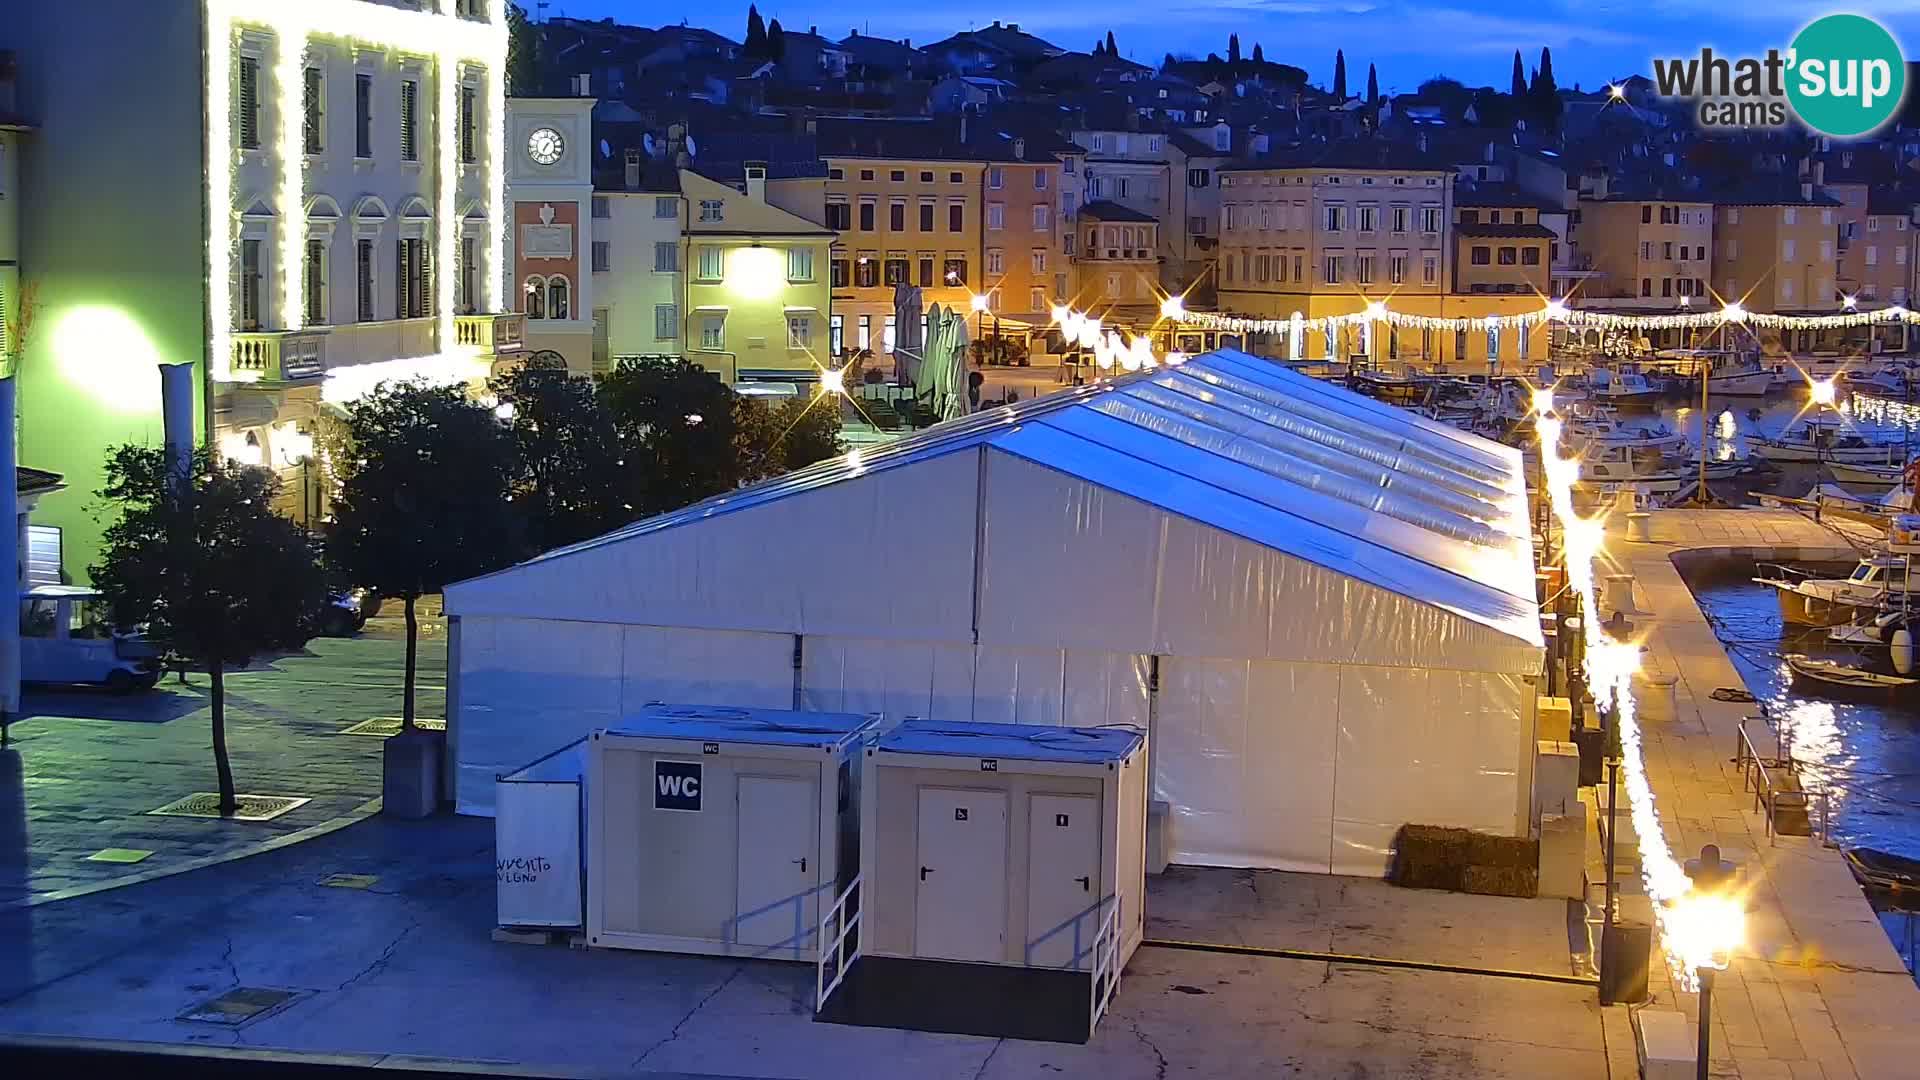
column 1554, row 311
column 449, row 40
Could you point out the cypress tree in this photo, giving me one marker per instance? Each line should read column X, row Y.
column 1233, row 48
column 756, row 44
column 1373, row 86
column 1258, row 56
column 1111, row 51
column 1519, row 77
column 1340, row 74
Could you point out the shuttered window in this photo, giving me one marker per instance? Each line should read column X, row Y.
column 413, row 285
column 409, row 121
column 249, row 103
column 314, row 116
column 316, row 282
column 363, row 278
column 468, row 104
column 249, row 284
column 363, row 115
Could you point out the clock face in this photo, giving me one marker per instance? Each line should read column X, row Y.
column 545, row 146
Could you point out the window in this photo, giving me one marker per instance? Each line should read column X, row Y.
column 956, row 178
column 713, row 209
column 1646, row 250
column 1039, row 181
column 867, row 213
column 866, row 272
column 311, row 115
column 1469, row 217
column 956, row 217
column 1036, row 300
column 1363, row 269
column 1067, row 244
column 840, row 273
column 1788, row 217
column 1113, row 285
column 666, row 257
column 666, row 322
column 1530, row 256
column 1330, row 269
column 1369, row 218
column 363, row 115
column 1336, row 218
column 469, row 125
column 926, row 176
column 897, row 216
column 411, row 294
column 926, row 216
column 1733, row 215
column 713, row 330
column 1122, row 186
column 363, row 280
column 1399, row 219
column 1096, row 188
column 1198, row 178
column 799, row 331
column 1042, row 217
column 1873, row 256
column 1196, row 225
column 1397, row 268
column 1430, row 219
column 468, row 299
column 996, row 261
column 1154, row 142
column 602, row 207
column 1646, row 215
column 866, row 331
column 1039, row 260
column 316, row 282
column 250, row 284
column 1429, row 269
column 249, row 103
column 836, row 173
column 995, row 178
column 799, row 264
column 1899, row 256
column 925, row 267
column 1493, row 217
column 1509, row 256
column 896, row 270
column 1646, row 286
column 1786, row 286
column 1666, row 250
column 996, row 215
column 1482, row 256
column 1100, row 142
column 1222, row 138
column 713, row 263
column 1787, row 250
column 898, row 176
column 954, row 271
column 602, row 256
column 410, row 120
column 866, row 174
column 839, row 216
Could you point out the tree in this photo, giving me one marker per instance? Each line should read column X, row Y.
column 424, row 498
column 756, row 43
column 1450, row 94
column 204, row 563
column 1111, row 50
column 1340, row 74
column 523, row 53
column 570, row 476
column 1258, row 56
column 775, row 440
column 677, row 421
column 1233, row 48
column 1545, row 95
column 1519, row 77
column 1373, row 86
column 776, row 42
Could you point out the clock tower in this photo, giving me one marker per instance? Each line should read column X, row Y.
column 550, row 200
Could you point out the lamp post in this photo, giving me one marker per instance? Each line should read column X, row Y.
column 978, row 302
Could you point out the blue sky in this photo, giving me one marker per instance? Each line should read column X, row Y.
column 1474, row 42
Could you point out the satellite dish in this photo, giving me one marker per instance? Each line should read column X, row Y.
column 691, row 149
column 605, row 150
column 646, row 140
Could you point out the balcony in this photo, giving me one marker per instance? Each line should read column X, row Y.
column 495, row 334
column 276, row 356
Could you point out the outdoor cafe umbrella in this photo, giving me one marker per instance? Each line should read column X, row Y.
column 908, row 355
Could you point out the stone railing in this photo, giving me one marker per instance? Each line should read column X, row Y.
column 279, row 355
column 501, row 333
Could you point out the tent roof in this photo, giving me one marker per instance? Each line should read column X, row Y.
column 1291, row 463
column 1012, row 742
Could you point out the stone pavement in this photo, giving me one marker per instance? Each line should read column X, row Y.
column 85, row 766
column 406, row 964
column 1818, row 991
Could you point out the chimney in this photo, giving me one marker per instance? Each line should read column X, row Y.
column 963, row 127
column 757, row 181
column 814, row 30
column 9, row 66
column 1423, row 142
column 1820, row 173
column 1020, row 149
column 633, row 168
column 907, row 42
column 1806, row 190
column 1014, row 26
column 582, row 84
column 996, row 24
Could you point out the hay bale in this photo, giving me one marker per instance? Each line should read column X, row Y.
column 1459, row 860
column 1501, row 881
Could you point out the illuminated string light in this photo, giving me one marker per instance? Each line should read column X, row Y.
column 1173, row 307
column 1551, row 311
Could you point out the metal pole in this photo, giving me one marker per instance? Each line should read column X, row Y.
column 1706, row 1023
column 1613, row 833
column 10, row 558
column 1706, row 370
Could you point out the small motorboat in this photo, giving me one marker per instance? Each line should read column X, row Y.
column 1822, row 440
column 1832, row 676
column 1623, row 387
column 1894, row 876
column 1866, row 475
column 1878, row 583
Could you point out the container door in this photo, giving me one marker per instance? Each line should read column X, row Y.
column 774, row 901
column 960, row 908
column 1063, row 880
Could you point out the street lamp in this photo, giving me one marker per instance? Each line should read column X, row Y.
column 978, row 302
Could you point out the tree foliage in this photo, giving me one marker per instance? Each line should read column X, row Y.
column 1373, row 86
column 523, row 53
column 1259, row 57
column 776, row 41
column 1233, row 48
column 1544, row 95
column 677, row 421
column 204, row 563
column 424, row 498
column 1519, row 76
column 1111, row 50
column 777, row 439
column 756, row 43
column 1340, row 74
column 570, row 477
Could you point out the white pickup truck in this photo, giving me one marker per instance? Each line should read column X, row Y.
column 65, row 637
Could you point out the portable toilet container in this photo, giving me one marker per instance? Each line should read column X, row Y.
column 1002, row 885
column 717, row 830
column 538, row 826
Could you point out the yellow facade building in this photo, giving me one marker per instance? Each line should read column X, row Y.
column 1649, row 253
column 758, row 303
column 1774, row 250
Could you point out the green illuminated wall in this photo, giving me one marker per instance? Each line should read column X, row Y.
column 111, row 207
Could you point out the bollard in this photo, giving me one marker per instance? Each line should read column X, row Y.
column 1653, row 692
column 1626, row 949
column 1640, row 527
column 1619, row 595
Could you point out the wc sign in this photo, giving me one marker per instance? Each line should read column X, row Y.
column 676, row 785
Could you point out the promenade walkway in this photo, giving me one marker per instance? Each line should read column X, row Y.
column 1818, row 991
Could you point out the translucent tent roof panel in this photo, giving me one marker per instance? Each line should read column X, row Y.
column 1246, row 471
column 1013, row 742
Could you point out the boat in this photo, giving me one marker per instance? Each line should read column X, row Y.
column 1644, row 469
column 1835, row 677
column 1868, row 475
column 1392, row 389
column 1594, row 425
column 1895, row 877
column 1822, row 440
column 1623, row 387
column 1730, row 374
column 1878, row 582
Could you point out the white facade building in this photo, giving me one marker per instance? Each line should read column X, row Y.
column 638, row 242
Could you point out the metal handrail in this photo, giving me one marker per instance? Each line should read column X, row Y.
column 1755, row 776
column 836, row 944
column 1106, row 964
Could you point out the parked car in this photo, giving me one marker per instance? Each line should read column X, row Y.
column 345, row 612
column 65, row 637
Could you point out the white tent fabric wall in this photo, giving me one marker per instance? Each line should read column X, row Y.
column 1339, row 596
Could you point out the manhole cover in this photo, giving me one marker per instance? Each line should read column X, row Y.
column 206, row 804
column 383, row 727
column 118, row 855
column 349, row 881
column 238, row 1005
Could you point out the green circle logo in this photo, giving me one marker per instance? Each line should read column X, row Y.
column 1845, row 75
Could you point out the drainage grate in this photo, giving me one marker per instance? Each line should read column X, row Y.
column 239, row 1005
column 384, row 727
column 118, row 855
column 206, row 804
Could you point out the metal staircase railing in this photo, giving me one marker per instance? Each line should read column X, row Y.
column 839, row 925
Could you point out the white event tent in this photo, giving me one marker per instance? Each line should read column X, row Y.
column 1321, row 607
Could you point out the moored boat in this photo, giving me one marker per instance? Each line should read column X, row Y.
column 1878, row 582
column 1834, row 677
column 1822, row 440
